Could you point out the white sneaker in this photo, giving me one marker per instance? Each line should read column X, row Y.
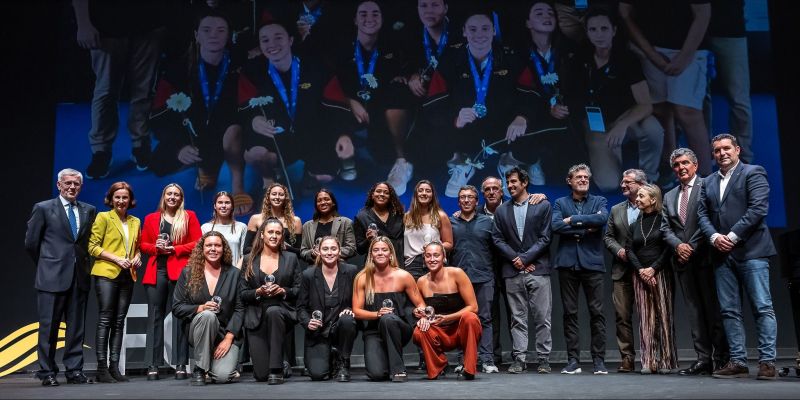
column 536, row 174
column 348, row 170
column 490, row 368
column 400, row 175
column 506, row 162
column 460, row 174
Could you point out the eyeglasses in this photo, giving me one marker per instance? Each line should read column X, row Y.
column 467, row 197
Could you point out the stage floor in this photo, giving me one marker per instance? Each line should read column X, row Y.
column 496, row 386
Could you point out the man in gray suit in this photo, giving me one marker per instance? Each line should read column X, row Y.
column 732, row 212
column 690, row 261
column 57, row 240
column 617, row 236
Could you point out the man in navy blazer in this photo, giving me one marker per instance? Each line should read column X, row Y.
column 521, row 234
column 578, row 219
column 57, row 240
column 732, row 213
column 682, row 233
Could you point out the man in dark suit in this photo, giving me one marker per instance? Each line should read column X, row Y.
column 732, row 212
column 695, row 276
column 57, row 240
column 578, row 219
column 617, row 236
column 521, row 234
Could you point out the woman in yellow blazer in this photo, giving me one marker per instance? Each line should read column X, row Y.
column 114, row 244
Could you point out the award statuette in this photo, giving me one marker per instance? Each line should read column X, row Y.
column 218, row 301
column 430, row 313
column 387, row 303
column 317, row 315
column 269, row 280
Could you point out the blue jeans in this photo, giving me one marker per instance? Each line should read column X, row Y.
column 752, row 277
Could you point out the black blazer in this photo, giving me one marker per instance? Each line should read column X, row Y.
column 231, row 311
column 287, row 276
column 676, row 232
column 312, row 296
column 535, row 245
column 59, row 257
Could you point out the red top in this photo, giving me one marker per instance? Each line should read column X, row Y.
column 183, row 248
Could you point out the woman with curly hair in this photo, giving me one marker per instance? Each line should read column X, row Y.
column 424, row 222
column 382, row 215
column 272, row 282
column 168, row 237
column 276, row 204
column 207, row 300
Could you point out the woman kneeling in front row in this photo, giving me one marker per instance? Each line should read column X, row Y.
column 325, row 310
column 207, row 298
column 452, row 322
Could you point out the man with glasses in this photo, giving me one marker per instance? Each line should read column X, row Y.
column 57, row 240
column 617, row 236
column 522, row 236
column 578, row 219
column 472, row 251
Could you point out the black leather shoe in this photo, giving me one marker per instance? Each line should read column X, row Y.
column 49, row 380
column 198, row 377
column 275, row 379
column 465, row 376
column 698, row 368
column 78, row 379
column 287, row 370
column 152, row 373
column 180, row 372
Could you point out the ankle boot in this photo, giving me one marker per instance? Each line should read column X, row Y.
column 113, row 369
column 102, row 373
column 343, row 373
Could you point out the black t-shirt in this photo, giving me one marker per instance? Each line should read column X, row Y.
column 607, row 87
column 166, row 228
column 665, row 23
column 727, row 18
column 323, row 229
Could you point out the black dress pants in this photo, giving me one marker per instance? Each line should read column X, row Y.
column 113, row 298
column 702, row 311
column 159, row 304
column 267, row 341
column 383, row 348
column 318, row 350
column 52, row 307
column 570, row 282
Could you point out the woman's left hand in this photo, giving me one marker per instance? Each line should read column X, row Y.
column 423, row 324
column 222, row 348
column 347, row 311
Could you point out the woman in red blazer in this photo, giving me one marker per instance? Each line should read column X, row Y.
column 168, row 237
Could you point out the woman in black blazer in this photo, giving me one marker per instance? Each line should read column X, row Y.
column 270, row 315
column 328, row 289
column 207, row 298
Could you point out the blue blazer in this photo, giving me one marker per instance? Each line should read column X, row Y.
column 577, row 246
column 535, row 244
column 741, row 210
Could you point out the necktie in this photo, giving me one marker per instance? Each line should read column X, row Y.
column 684, row 203
column 73, row 221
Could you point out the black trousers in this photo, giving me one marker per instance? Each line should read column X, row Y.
column 383, row 348
column 570, row 282
column 794, row 294
column 702, row 310
column 317, row 355
column 159, row 304
column 267, row 341
column 499, row 296
column 52, row 307
column 113, row 298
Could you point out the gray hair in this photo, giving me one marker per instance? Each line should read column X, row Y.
column 577, row 167
column 490, row 177
column 682, row 151
column 470, row 188
column 639, row 176
column 69, row 172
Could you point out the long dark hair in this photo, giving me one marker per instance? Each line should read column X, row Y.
column 258, row 245
column 214, row 213
column 395, row 206
column 334, row 207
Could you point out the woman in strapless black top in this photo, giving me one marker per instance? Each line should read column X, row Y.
column 384, row 300
column 455, row 324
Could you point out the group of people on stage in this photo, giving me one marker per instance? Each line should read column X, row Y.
column 237, row 290
column 447, row 87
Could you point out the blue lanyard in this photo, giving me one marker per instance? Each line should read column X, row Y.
column 360, row 64
column 291, row 107
column 223, row 71
column 551, row 68
column 426, row 41
column 496, row 21
column 482, row 83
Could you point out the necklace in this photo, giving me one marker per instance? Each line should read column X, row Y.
column 641, row 227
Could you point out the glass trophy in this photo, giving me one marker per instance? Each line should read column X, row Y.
column 387, row 303
column 317, row 315
column 218, row 301
column 430, row 313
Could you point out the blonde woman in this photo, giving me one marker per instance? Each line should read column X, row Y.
column 384, row 297
column 168, row 237
column 114, row 244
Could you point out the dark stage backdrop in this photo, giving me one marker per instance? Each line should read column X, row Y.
column 47, row 81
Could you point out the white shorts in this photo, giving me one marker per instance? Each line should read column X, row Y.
column 687, row 89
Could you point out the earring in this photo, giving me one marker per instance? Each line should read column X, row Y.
column 391, row 258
